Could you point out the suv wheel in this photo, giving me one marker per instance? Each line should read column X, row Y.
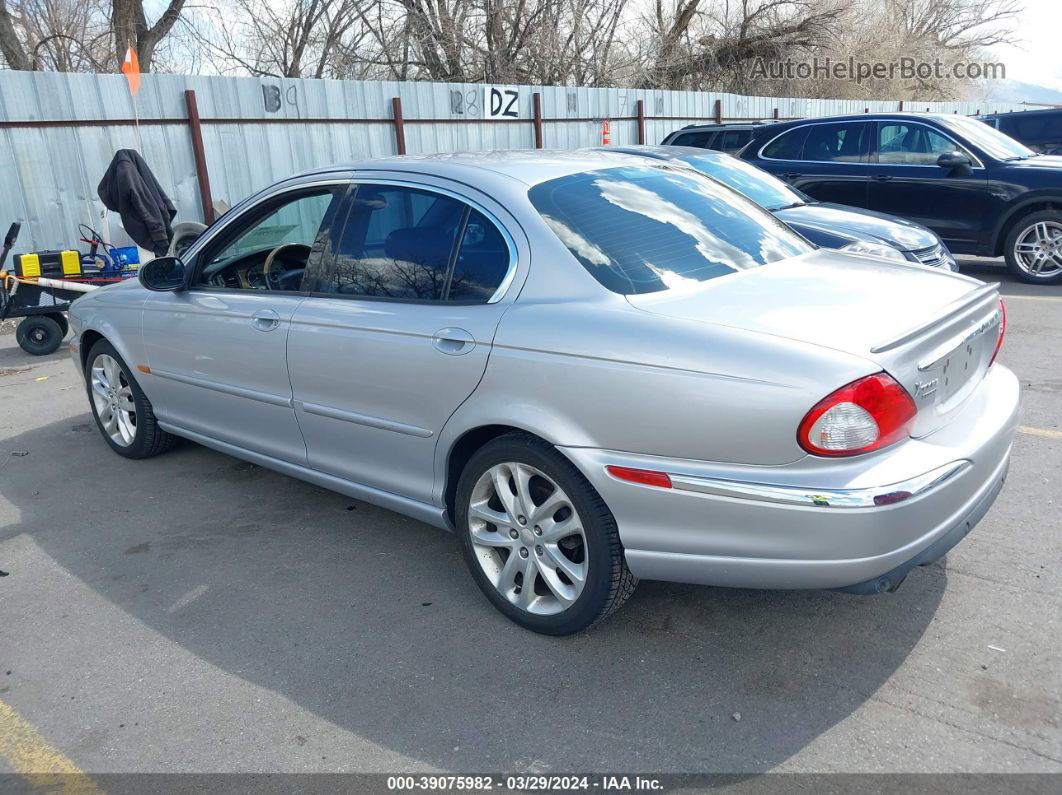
column 539, row 540
column 1033, row 248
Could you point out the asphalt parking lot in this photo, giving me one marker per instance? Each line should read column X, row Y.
column 196, row 613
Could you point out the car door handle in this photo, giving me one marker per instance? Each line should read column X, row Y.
column 881, row 177
column 791, row 177
column 265, row 319
column 453, row 341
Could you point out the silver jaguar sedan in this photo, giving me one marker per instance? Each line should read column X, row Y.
column 592, row 369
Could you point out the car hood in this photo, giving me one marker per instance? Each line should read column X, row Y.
column 1051, row 163
column 853, row 223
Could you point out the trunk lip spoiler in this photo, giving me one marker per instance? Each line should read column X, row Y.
column 956, row 307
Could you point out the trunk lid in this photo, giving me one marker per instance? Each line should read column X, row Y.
column 934, row 332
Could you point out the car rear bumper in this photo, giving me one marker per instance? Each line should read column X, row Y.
column 859, row 523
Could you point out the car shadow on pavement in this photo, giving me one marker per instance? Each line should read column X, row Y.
column 370, row 620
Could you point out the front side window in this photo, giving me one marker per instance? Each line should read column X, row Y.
column 732, row 140
column 406, row 244
column 909, row 144
column 645, row 229
column 837, row 143
column 270, row 250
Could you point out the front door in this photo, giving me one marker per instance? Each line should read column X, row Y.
column 218, row 349
column 906, row 181
column 396, row 332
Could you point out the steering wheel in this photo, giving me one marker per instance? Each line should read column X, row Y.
column 268, row 278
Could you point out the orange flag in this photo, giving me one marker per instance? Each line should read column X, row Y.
column 131, row 70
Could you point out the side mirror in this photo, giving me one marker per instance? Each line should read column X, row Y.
column 955, row 161
column 163, row 275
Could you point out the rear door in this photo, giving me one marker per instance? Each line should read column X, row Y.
column 397, row 329
column 906, row 181
column 833, row 162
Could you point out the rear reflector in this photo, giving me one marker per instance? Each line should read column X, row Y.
column 645, row 477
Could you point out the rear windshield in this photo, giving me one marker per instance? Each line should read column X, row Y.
column 763, row 188
column 646, row 229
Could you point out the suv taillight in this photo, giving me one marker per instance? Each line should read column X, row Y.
column 865, row 415
column 1002, row 331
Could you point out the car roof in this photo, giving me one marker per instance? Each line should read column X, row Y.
column 740, row 125
column 1019, row 113
column 777, row 129
column 891, row 114
column 529, row 166
column 664, row 152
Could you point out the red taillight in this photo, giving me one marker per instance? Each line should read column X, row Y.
column 646, row 477
column 1002, row 331
column 865, row 415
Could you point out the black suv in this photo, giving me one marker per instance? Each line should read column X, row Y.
column 1040, row 130
column 981, row 191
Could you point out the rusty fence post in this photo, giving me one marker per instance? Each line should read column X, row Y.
column 719, row 111
column 536, row 107
column 776, row 116
column 199, row 153
column 400, row 125
column 641, row 121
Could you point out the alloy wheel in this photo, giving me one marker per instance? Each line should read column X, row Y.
column 528, row 538
column 112, row 397
column 1038, row 251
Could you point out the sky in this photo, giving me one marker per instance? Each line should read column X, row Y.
column 1037, row 58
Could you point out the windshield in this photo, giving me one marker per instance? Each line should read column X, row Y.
column 990, row 140
column 646, row 229
column 763, row 188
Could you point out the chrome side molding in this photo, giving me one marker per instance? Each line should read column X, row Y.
column 872, row 497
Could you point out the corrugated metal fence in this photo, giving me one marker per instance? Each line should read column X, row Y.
column 227, row 137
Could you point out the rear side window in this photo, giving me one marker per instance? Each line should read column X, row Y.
column 787, row 146
column 837, row 143
column 482, row 261
column 645, row 229
column 702, row 140
column 405, row 244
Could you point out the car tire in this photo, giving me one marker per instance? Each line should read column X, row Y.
column 122, row 411
column 40, row 335
column 184, row 234
column 1025, row 235
column 563, row 534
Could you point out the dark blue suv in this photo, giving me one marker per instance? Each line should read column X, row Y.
column 981, row 191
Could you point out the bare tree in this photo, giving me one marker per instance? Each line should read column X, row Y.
column 11, row 46
column 131, row 28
